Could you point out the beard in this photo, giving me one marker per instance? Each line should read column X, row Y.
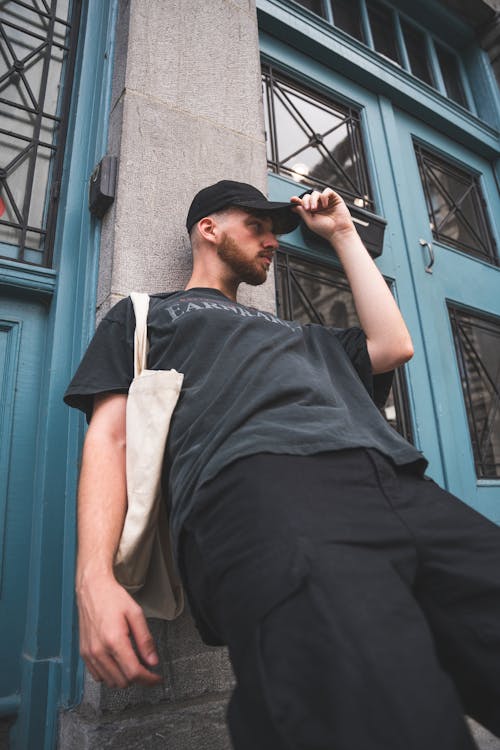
column 249, row 271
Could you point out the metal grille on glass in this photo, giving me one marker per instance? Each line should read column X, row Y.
column 37, row 53
column 477, row 345
column 313, row 293
column 314, row 140
column 455, row 205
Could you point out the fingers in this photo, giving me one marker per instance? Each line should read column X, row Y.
column 317, row 201
column 103, row 668
column 93, row 671
column 131, row 667
column 143, row 638
column 116, row 664
column 105, row 640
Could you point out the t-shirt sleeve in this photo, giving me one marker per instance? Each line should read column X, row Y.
column 353, row 341
column 107, row 365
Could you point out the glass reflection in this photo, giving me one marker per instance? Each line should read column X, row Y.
column 316, row 6
column 454, row 202
column 477, row 344
column 448, row 63
column 347, row 16
column 33, row 52
column 383, row 31
column 316, row 142
column 311, row 293
column 417, row 52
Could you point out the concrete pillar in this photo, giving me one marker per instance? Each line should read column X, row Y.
column 186, row 112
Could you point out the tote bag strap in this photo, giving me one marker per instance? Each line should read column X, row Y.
column 140, row 301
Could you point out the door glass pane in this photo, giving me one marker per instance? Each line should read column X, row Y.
column 477, row 345
column 311, row 293
column 37, row 46
column 417, row 52
column 347, row 16
column 315, row 140
column 455, row 204
column 383, row 31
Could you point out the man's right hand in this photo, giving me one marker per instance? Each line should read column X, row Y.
column 109, row 617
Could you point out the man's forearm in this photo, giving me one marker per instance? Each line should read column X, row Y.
column 377, row 310
column 102, row 496
column 102, row 504
column 389, row 343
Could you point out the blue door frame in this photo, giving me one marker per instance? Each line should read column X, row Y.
column 50, row 672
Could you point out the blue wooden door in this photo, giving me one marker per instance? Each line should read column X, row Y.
column 466, row 283
column 22, row 344
column 450, row 208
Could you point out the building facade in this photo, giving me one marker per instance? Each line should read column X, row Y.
column 394, row 104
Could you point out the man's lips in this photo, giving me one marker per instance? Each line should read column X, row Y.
column 267, row 258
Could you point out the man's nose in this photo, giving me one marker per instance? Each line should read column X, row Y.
column 271, row 241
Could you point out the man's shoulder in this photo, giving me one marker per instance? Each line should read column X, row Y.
column 160, row 297
column 165, row 295
column 123, row 309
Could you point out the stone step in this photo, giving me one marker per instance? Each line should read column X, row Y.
column 193, row 725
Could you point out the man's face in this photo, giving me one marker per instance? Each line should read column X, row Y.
column 247, row 245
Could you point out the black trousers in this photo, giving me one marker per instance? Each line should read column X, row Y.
column 360, row 603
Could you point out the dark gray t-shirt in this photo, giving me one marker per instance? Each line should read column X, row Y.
column 252, row 383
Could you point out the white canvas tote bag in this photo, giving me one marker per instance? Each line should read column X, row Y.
column 144, row 564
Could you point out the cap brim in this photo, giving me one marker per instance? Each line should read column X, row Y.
column 284, row 219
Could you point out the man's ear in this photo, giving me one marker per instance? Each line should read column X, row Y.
column 207, row 228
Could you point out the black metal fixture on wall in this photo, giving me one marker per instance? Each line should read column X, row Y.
column 102, row 186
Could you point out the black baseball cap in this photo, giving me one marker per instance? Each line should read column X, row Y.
column 229, row 193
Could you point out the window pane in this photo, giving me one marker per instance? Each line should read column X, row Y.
column 34, row 61
column 315, row 5
column 383, row 31
column 347, row 16
column 455, row 204
column 311, row 293
column 448, row 63
column 477, row 345
column 417, row 52
column 315, row 141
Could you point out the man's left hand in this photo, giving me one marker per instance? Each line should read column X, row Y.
column 324, row 213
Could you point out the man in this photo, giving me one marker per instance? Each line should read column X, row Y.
column 360, row 602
